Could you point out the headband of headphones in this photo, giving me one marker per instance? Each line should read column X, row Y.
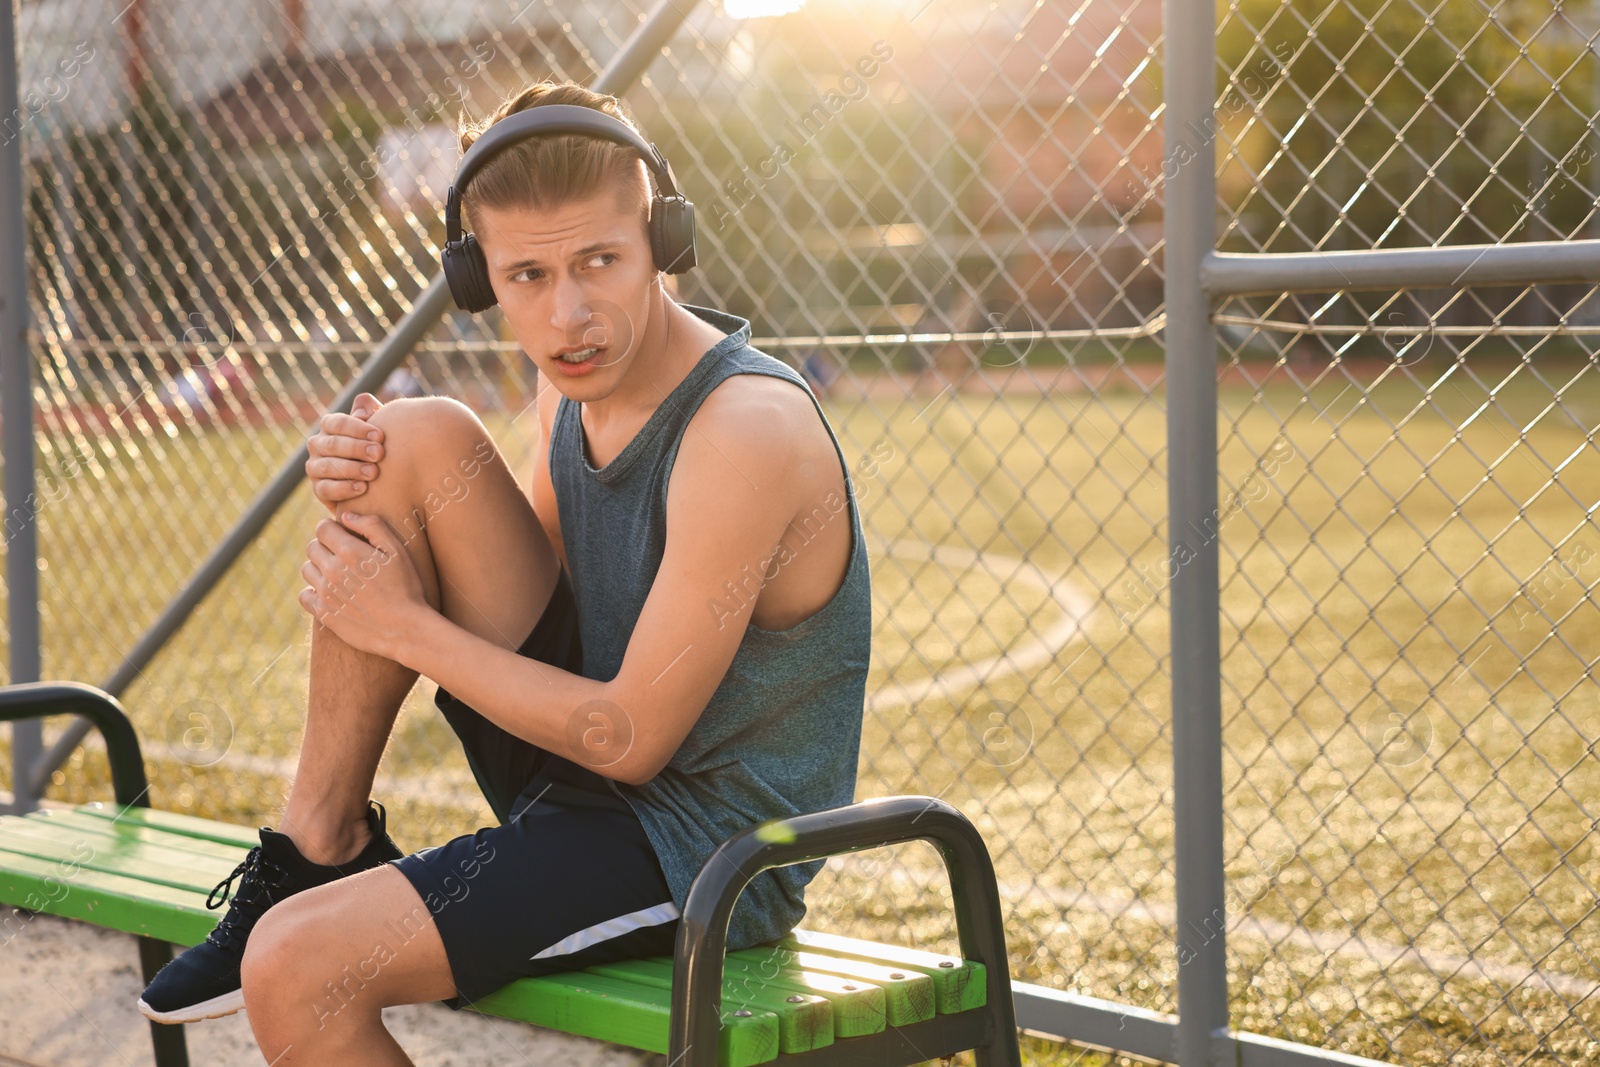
column 552, row 118
column 671, row 228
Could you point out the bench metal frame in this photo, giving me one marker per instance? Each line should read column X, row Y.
column 990, row 1030
column 33, row 700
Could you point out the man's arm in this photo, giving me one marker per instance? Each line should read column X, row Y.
column 541, row 490
column 729, row 500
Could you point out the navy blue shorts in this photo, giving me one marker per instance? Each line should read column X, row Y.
column 568, row 879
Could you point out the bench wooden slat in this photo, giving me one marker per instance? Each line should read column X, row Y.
column 114, row 855
column 626, row 1012
column 803, row 1024
column 858, row 1007
column 958, row 984
column 908, row 994
column 226, row 833
column 134, row 831
column 113, row 901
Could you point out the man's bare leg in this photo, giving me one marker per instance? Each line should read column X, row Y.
column 350, row 711
column 486, row 564
column 315, row 983
column 499, row 570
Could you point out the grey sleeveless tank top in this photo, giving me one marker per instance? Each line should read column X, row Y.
column 782, row 733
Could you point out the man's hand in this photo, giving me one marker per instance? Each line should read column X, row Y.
column 366, row 591
column 346, row 453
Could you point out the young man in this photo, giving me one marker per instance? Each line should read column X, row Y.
column 667, row 643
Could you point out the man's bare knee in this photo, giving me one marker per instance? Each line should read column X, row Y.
column 428, row 420
column 479, row 532
column 433, row 446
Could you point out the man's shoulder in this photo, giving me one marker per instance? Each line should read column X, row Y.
column 754, row 381
column 765, row 415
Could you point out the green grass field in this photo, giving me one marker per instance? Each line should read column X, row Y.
column 1409, row 634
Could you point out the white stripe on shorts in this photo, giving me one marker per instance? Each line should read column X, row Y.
column 622, row 924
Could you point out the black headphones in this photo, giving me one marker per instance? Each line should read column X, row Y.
column 671, row 216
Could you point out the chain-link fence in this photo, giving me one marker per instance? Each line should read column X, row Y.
column 953, row 217
column 1409, row 628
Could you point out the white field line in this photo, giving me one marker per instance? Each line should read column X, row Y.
column 949, row 682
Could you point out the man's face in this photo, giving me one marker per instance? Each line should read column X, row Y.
column 573, row 277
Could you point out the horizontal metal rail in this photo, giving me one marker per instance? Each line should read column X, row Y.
column 994, row 334
column 1446, row 267
column 1422, row 329
column 1152, row 1035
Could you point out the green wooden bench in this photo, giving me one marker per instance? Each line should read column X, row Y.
column 810, row 998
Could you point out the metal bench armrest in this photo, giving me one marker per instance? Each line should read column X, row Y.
column 703, row 928
column 33, row 700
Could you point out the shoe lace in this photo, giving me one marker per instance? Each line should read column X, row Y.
column 256, row 875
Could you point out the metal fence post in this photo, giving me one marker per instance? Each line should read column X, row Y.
column 1189, row 173
column 16, row 399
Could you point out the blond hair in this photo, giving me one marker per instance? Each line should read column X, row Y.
column 548, row 171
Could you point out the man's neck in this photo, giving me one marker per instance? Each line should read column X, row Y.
column 674, row 341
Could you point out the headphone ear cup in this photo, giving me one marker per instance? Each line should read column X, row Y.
column 672, row 234
column 658, row 247
column 467, row 274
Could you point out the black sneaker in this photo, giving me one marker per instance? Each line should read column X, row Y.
column 203, row 982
